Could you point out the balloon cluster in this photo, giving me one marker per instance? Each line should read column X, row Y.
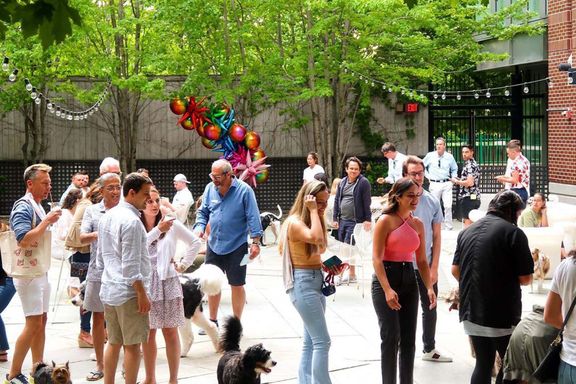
column 219, row 132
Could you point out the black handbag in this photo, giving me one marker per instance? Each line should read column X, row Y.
column 78, row 269
column 547, row 371
column 328, row 286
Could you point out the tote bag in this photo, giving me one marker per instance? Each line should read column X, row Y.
column 20, row 262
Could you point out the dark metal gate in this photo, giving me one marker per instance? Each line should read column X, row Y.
column 490, row 120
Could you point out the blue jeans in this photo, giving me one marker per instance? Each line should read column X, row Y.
column 566, row 373
column 7, row 291
column 311, row 305
column 86, row 315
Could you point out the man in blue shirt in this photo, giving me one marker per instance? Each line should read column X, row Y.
column 30, row 222
column 430, row 212
column 440, row 168
column 230, row 210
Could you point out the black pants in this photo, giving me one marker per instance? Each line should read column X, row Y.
column 397, row 328
column 429, row 316
column 486, row 348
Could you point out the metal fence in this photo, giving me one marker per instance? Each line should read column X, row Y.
column 281, row 188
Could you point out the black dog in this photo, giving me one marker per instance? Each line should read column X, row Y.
column 236, row 367
column 267, row 219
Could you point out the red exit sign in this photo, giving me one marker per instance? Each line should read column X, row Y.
column 411, row 107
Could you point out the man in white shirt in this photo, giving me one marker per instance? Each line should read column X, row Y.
column 395, row 161
column 183, row 199
column 440, row 167
column 123, row 258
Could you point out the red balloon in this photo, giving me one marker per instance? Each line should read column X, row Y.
column 263, row 176
column 210, row 144
column 237, row 133
column 258, row 154
column 252, row 140
column 200, row 130
column 178, row 106
column 187, row 124
column 213, row 132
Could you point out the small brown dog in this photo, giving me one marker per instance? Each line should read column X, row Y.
column 541, row 268
column 42, row 373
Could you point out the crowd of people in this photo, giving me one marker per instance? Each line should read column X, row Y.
column 122, row 236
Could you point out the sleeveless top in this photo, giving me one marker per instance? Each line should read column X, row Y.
column 301, row 259
column 401, row 244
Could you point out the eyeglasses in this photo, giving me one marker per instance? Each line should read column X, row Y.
column 217, row 177
column 416, row 174
column 112, row 188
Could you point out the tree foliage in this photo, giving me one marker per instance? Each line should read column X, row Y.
column 50, row 20
column 292, row 54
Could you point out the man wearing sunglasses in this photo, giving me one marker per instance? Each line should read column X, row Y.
column 230, row 209
column 440, row 167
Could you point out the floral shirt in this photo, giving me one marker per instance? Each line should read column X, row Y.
column 521, row 165
column 470, row 169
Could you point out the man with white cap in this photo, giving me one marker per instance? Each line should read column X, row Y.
column 183, row 198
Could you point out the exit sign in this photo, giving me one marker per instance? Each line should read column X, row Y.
column 411, row 107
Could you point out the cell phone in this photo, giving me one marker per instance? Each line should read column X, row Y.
column 245, row 260
column 333, row 261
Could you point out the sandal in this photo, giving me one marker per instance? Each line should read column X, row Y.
column 95, row 376
column 3, row 356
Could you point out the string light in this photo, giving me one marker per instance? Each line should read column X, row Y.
column 6, row 64
column 28, row 85
column 458, row 94
column 33, row 94
column 444, row 96
column 13, row 75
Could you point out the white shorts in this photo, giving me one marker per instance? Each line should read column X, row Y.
column 34, row 295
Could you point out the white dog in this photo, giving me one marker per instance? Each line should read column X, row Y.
column 208, row 279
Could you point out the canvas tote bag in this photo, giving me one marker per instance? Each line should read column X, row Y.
column 25, row 263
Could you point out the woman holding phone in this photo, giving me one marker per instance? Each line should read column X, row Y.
column 304, row 235
column 167, row 309
column 397, row 237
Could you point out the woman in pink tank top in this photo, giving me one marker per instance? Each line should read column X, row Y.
column 398, row 242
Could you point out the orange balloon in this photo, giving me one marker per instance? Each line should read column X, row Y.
column 252, row 140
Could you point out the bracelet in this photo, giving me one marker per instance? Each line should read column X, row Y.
column 254, row 243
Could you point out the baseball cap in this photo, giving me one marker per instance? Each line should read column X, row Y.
column 181, row 177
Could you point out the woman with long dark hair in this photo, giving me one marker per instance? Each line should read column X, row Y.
column 397, row 237
column 167, row 308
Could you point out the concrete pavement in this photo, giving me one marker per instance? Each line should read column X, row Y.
column 270, row 318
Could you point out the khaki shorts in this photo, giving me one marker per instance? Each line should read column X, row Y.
column 125, row 325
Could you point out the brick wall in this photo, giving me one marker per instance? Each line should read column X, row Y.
column 561, row 128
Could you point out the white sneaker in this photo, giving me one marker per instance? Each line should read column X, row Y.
column 435, row 355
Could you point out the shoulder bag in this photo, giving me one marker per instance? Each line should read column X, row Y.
column 547, row 371
column 20, row 262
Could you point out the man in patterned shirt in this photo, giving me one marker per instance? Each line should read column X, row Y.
column 517, row 176
column 469, row 194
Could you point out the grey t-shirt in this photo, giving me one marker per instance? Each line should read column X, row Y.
column 347, row 202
